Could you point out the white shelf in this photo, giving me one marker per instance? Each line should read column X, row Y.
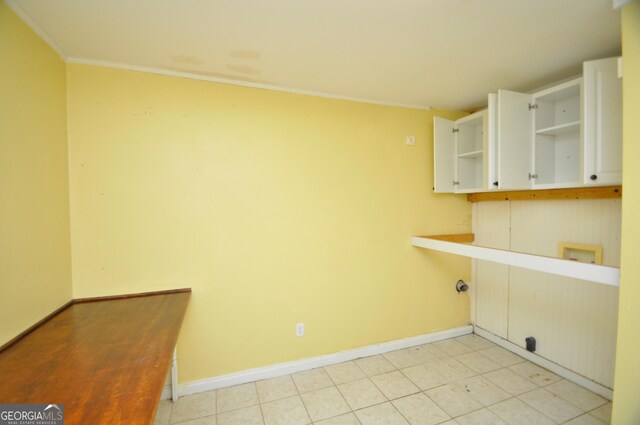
column 592, row 272
column 473, row 154
column 556, row 130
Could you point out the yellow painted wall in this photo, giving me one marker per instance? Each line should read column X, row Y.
column 626, row 409
column 275, row 208
column 35, row 268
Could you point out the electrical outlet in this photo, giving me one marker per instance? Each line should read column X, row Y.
column 411, row 140
column 299, row 329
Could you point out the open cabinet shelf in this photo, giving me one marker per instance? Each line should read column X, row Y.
column 472, row 154
column 556, row 130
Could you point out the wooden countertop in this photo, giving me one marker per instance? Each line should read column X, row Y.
column 105, row 360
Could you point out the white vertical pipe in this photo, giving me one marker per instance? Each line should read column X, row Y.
column 174, row 376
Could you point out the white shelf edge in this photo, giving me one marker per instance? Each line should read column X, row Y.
column 470, row 154
column 558, row 129
column 564, row 185
column 592, row 272
column 470, row 190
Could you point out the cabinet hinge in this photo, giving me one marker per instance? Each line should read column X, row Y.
column 455, row 183
column 532, row 176
column 456, row 130
column 533, row 106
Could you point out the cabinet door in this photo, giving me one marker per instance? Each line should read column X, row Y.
column 491, row 149
column 443, row 155
column 514, row 140
column 602, row 123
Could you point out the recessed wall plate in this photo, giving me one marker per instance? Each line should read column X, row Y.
column 582, row 253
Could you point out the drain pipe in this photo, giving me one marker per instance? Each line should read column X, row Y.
column 461, row 286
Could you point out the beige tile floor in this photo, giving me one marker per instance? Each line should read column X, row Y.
column 461, row 381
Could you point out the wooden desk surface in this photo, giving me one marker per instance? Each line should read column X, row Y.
column 106, row 361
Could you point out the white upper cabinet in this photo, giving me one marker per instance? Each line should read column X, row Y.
column 602, row 123
column 567, row 135
column 556, row 136
column 461, row 152
column 539, row 137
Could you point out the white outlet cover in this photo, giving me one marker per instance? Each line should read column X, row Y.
column 411, row 140
column 299, row 329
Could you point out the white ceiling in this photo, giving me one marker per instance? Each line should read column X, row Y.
column 440, row 53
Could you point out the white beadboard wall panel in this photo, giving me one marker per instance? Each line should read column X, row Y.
column 492, row 297
column 573, row 321
column 491, row 224
column 473, row 289
column 538, row 226
column 491, row 229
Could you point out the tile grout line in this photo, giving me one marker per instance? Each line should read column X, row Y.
column 306, row 409
column 259, row 407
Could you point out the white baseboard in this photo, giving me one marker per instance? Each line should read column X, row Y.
column 281, row 369
column 547, row 364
